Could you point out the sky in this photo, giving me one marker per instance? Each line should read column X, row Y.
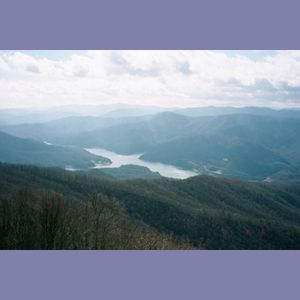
column 177, row 78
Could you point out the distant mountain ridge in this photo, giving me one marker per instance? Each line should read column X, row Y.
column 227, row 110
column 15, row 116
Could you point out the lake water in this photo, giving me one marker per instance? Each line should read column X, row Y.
column 134, row 159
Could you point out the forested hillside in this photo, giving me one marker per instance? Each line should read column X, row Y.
column 27, row 151
column 52, row 208
column 45, row 215
column 125, row 172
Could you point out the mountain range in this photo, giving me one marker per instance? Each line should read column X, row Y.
column 56, row 193
column 260, row 144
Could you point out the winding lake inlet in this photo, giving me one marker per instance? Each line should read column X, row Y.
column 134, row 159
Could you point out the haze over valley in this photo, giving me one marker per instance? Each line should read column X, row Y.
column 247, row 143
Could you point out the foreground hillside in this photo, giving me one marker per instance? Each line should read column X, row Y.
column 42, row 216
column 210, row 213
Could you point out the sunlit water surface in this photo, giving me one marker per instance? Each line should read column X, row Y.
column 134, row 159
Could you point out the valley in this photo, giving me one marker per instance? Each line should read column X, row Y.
column 164, row 180
column 251, row 144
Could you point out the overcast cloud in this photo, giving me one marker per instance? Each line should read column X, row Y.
column 164, row 78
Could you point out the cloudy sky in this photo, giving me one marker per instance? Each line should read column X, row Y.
column 163, row 78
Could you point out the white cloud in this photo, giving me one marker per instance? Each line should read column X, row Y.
column 166, row 78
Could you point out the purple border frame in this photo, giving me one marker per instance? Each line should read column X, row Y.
column 155, row 24
column 145, row 24
column 148, row 275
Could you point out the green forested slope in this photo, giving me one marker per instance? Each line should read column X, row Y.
column 28, row 151
column 211, row 213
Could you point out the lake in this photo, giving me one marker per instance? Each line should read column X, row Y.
column 134, row 159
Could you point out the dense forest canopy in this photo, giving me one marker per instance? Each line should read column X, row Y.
column 48, row 208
